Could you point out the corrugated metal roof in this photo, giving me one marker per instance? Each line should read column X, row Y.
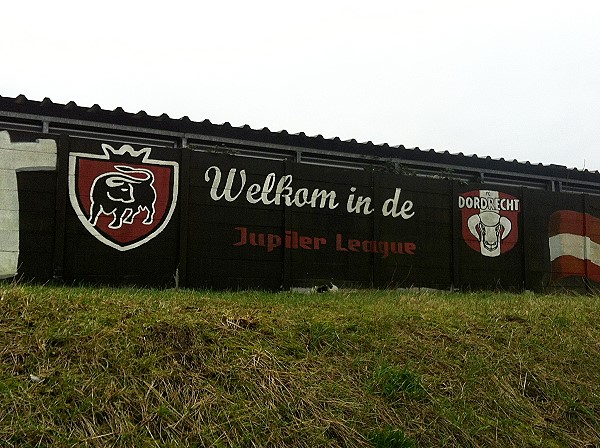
column 47, row 108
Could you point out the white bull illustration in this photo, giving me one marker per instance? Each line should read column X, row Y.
column 490, row 229
column 123, row 194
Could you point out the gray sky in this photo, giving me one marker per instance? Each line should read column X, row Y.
column 512, row 79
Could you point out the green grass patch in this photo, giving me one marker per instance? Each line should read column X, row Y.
column 104, row 367
column 390, row 438
column 395, row 383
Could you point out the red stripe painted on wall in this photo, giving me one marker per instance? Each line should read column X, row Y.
column 568, row 221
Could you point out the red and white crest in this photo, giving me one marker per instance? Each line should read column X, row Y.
column 489, row 221
column 123, row 197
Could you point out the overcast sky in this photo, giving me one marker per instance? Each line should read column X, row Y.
column 512, row 79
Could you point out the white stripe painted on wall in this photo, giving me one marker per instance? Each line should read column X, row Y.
column 40, row 154
column 577, row 246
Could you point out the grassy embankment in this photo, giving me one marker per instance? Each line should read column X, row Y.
column 122, row 367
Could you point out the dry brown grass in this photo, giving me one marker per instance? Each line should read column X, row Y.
column 121, row 367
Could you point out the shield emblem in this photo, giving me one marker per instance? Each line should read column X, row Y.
column 123, row 197
column 489, row 221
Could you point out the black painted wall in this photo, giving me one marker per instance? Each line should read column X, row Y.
column 445, row 233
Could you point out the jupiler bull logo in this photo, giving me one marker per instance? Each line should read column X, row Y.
column 123, row 197
column 489, row 221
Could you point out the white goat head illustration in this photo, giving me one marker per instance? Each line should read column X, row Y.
column 490, row 229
